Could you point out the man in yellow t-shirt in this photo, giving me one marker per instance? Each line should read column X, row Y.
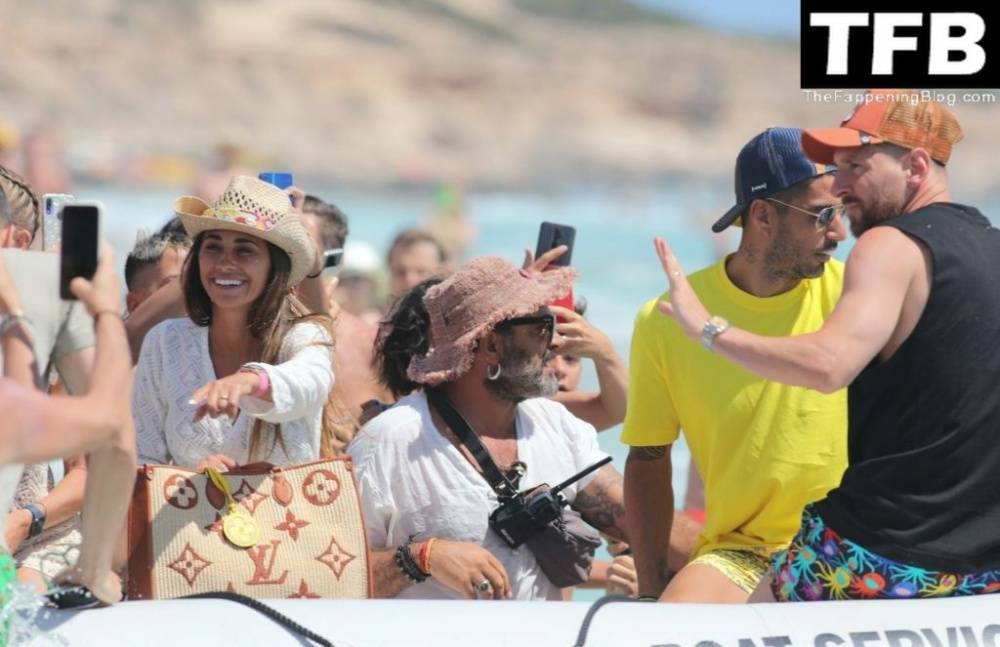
column 764, row 449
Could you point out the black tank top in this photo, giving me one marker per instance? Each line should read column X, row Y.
column 922, row 484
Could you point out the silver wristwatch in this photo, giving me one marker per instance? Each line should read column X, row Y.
column 714, row 327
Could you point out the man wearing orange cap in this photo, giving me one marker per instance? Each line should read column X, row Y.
column 914, row 337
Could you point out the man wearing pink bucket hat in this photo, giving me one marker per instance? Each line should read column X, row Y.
column 474, row 427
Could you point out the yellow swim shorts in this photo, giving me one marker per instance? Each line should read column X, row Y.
column 745, row 567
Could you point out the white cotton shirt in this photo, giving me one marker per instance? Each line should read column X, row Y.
column 175, row 362
column 414, row 481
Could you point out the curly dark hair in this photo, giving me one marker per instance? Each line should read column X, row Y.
column 403, row 335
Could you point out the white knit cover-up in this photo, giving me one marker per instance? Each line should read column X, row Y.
column 175, row 362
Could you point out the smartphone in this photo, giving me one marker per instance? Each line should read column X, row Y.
column 280, row 179
column 551, row 235
column 52, row 205
column 81, row 235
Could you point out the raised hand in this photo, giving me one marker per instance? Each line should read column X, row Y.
column 580, row 337
column 103, row 292
column 540, row 264
column 684, row 305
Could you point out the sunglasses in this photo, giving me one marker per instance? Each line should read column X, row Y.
column 823, row 218
column 546, row 324
column 333, row 257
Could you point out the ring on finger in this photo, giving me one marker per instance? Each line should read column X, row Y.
column 483, row 586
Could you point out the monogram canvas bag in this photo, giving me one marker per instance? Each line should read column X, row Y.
column 260, row 530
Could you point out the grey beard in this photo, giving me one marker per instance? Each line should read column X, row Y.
column 519, row 380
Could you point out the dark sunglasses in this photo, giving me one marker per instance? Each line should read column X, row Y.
column 546, row 323
column 333, row 257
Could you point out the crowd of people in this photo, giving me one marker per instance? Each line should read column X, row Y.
column 838, row 414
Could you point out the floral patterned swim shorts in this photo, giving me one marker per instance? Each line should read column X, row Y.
column 821, row 565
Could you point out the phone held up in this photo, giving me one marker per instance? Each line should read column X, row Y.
column 280, row 179
column 81, row 235
column 550, row 236
column 52, row 205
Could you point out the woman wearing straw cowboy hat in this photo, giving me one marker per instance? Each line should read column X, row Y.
column 245, row 376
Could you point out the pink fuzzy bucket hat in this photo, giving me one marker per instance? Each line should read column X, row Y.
column 470, row 302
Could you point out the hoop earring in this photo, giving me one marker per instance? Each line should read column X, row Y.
column 490, row 375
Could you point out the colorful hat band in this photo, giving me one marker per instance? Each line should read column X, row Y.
column 257, row 220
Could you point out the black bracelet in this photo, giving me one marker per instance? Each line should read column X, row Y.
column 408, row 565
column 37, row 520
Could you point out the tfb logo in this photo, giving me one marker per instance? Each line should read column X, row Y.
column 854, row 44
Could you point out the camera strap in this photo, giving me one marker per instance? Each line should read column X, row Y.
column 499, row 481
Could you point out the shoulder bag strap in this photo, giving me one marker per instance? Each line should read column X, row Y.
column 493, row 474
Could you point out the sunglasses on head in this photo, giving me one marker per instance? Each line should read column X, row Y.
column 546, row 324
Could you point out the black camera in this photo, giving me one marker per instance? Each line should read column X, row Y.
column 522, row 516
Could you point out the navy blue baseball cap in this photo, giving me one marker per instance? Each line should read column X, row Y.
column 770, row 162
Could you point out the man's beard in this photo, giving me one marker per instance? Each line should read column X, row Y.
column 784, row 260
column 879, row 209
column 519, row 379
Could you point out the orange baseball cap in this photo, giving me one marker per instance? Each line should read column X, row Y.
column 898, row 117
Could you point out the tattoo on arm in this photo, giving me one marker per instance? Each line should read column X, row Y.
column 602, row 504
column 648, row 453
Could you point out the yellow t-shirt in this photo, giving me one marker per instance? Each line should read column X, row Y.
column 764, row 449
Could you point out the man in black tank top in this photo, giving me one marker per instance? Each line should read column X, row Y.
column 914, row 337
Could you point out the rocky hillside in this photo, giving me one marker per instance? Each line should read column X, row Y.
column 513, row 93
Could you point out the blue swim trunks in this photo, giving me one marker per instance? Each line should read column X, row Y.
column 821, row 565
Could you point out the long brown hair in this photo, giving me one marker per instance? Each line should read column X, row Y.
column 272, row 315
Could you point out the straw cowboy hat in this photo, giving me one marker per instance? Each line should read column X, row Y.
column 470, row 302
column 256, row 208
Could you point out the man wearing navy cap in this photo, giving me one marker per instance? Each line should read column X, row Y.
column 914, row 338
column 764, row 449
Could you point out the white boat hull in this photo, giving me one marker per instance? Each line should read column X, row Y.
column 956, row 622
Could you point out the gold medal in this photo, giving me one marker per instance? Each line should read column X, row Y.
column 239, row 528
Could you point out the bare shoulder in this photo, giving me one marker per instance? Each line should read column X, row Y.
column 886, row 255
column 885, row 246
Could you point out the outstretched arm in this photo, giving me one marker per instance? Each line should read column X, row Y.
column 884, row 266
column 34, row 429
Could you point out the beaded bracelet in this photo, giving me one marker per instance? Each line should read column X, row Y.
column 408, row 565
